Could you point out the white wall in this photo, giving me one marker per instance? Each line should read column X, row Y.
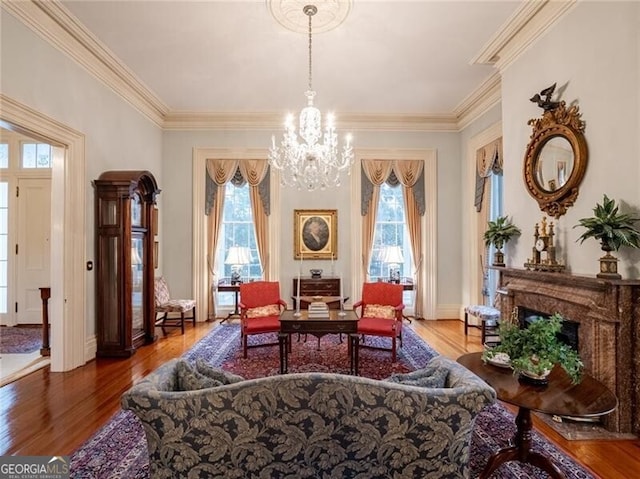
column 594, row 55
column 117, row 136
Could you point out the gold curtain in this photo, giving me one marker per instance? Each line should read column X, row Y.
column 488, row 161
column 407, row 172
column 377, row 171
column 254, row 172
column 221, row 172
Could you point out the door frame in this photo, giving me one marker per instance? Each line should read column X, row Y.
column 67, row 307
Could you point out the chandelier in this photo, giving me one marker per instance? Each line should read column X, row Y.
column 310, row 164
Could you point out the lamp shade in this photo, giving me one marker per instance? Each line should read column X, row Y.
column 238, row 255
column 392, row 254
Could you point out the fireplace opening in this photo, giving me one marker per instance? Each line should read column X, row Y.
column 568, row 334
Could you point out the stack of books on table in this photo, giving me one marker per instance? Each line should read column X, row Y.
column 318, row 310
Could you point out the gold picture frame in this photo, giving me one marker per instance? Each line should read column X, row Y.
column 315, row 234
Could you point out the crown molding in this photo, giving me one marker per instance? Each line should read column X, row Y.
column 528, row 23
column 185, row 120
column 483, row 98
column 53, row 22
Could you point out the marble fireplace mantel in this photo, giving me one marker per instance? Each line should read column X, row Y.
column 608, row 314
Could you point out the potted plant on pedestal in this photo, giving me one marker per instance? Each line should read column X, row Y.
column 613, row 230
column 532, row 352
column 497, row 234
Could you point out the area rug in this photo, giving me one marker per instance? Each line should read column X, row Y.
column 118, row 450
column 20, row 340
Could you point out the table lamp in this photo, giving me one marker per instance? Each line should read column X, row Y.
column 392, row 255
column 237, row 257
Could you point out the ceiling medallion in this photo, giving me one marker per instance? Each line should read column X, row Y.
column 330, row 14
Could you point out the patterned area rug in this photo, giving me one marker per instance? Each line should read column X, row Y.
column 118, row 450
column 14, row 340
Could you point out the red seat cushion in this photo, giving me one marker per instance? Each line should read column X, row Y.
column 262, row 325
column 377, row 326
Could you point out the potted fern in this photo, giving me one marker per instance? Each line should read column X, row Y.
column 499, row 232
column 614, row 230
column 532, row 352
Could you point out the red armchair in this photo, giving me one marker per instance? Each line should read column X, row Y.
column 260, row 308
column 380, row 311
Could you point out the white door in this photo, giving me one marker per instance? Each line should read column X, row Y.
column 33, row 248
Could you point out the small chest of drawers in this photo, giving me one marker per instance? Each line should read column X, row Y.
column 317, row 286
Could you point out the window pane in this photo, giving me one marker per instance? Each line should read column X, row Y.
column 4, row 231
column 237, row 230
column 390, row 231
column 4, row 197
column 3, row 300
column 28, row 155
column 36, row 155
column 4, row 155
column 3, row 221
column 43, row 156
column 3, row 247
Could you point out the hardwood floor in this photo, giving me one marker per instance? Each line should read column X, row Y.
column 54, row 413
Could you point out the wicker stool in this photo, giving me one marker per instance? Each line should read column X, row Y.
column 489, row 319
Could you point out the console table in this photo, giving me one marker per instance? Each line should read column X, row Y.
column 590, row 398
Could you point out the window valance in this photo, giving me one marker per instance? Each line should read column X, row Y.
column 488, row 161
column 409, row 173
column 237, row 172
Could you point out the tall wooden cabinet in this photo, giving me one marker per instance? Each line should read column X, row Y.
column 124, row 261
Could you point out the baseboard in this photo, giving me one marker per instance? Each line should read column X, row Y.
column 449, row 311
column 90, row 349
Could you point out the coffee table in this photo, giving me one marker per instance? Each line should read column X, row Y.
column 590, row 398
column 334, row 324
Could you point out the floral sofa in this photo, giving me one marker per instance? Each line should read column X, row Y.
column 310, row 425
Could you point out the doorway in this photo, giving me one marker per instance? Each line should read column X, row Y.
column 67, row 307
column 25, row 252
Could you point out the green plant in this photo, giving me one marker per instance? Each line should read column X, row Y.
column 611, row 228
column 537, row 348
column 500, row 231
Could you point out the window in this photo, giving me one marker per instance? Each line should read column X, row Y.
column 4, row 234
column 36, row 155
column 237, row 230
column 4, row 155
column 391, row 255
column 495, row 210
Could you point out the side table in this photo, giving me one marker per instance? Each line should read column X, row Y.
column 234, row 288
column 590, row 398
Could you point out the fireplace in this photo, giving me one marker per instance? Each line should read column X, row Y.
column 604, row 321
column 568, row 334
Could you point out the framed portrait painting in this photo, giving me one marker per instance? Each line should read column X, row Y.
column 315, row 234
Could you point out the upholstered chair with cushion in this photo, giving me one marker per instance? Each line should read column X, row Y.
column 165, row 304
column 260, row 308
column 380, row 311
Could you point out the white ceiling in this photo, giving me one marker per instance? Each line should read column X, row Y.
column 387, row 57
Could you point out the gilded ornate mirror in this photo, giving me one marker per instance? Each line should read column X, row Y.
column 556, row 157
